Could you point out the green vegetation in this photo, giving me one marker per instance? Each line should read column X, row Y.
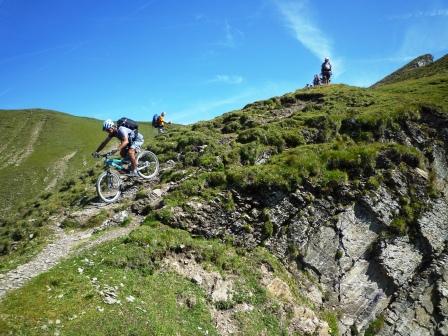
column 55, row 171
column 72, row 302
column 375, row 327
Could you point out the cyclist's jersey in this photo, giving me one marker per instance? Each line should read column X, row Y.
column 124, row 132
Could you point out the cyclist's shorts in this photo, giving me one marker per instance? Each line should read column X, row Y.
column 137, row 143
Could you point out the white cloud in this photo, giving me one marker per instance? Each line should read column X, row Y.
column 298, row 19
column 226, row 79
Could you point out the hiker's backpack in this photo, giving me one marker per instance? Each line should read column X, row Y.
column 128, row 123
column 155, row 120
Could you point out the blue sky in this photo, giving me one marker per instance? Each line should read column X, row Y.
column 197, row 59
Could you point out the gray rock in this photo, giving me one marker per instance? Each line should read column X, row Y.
column 399, row 259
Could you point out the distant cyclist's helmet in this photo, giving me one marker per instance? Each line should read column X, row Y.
column 108, row 124
column 326, row 59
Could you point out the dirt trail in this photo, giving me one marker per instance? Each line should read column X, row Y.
column 10, row 140
column 22, row 155
column 59, row 170
column 64, row 245
column 30, row 146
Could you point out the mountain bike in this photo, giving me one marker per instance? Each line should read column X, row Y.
column 109, row 183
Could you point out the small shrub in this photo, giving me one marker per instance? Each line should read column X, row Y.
column 231, row 127
column 375, row 326
column 248, row 228
column 69, row 223
column 141, row 194
column 17, row 234
column 373, row 183
column 224, row 305
column 126, row 221
column 67, row 185
column 338, row 255
column 332, row 321
column 229, row 204
column 268, row 227
column 216, row 179
column 4, row 246
column 96, row 220
column 293, row 251
column 398, row 225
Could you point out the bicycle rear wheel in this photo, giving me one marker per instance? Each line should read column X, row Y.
column 147, row 164
column 108, row 186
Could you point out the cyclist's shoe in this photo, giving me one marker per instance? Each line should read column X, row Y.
column 133, row 174
column 124, row 171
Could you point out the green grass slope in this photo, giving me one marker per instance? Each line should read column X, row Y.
column 153, row 298
column 43, row 153
column 40, row 150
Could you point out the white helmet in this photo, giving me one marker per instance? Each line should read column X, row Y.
column 107, row 124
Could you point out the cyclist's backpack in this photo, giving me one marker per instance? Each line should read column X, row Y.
column 128, row 123
column 155, row 120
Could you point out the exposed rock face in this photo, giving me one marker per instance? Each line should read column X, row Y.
column 351, row 241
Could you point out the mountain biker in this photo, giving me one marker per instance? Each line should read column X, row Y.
column 130, row 142
column 316, row 80
column 161, row 123
column 326, row 71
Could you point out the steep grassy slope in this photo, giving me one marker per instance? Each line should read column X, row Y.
column 42, row 148
column 324, row 137
column 43, row 152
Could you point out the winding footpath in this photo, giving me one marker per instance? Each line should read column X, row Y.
column 64, row 245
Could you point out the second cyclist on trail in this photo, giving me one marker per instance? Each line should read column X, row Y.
column 131, row 140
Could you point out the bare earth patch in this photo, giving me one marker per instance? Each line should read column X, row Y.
column 59, row 169
column 216, row 288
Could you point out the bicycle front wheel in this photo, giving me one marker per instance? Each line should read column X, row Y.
column 147, row 164
column 108, row 187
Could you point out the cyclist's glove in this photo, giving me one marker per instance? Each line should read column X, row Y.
column 96, row 154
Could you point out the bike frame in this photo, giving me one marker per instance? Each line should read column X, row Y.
column 115, row 163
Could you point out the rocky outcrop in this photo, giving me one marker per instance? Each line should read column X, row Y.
column 372, row 252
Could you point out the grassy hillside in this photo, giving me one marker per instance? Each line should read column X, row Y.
column 323, row 137
column 129, row 287
column 40, row 150
column 43, row 153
